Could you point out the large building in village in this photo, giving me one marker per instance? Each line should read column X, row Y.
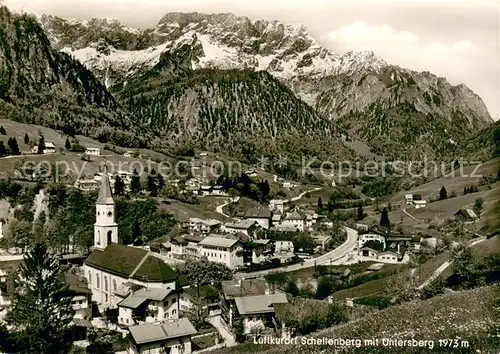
column 111, row 265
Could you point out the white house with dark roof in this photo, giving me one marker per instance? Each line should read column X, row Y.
column 277, row 205
column 243, row 226
column 228, row 251
column 466, row 214
column 294, row 219
column 260, row 215
column 257, row 312
column 111, row 264
column 172, row 337
column 148, row 305
column 203, row 225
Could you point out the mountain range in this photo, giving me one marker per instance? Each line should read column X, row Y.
column 247, row 87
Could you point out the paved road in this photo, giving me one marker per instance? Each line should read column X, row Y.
column 330, row 257
column 228, row 337
column 294, row 199
column 220, row 209
column 411, row 216
column 446, row 264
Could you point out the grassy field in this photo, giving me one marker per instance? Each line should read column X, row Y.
column 465, row 315
column 452, row 183
column 184, row 211
column 73, row 160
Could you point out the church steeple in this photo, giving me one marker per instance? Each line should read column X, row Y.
column 105, row 228
column 105, row 197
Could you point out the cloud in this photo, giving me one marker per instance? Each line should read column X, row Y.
column 454, row 59
column 393, row 43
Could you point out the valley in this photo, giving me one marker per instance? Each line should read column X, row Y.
column 215, row 180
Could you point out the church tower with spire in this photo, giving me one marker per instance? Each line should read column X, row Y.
column 105, row 228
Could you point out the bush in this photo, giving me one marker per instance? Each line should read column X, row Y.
column 380, row 302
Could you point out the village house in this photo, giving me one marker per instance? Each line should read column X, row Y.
column 186, row 246
column 371, row 236
column 81, row 295
column 111, row 264
column 294, row 219
column 260, row 216
column 277, row 205
column 86, row 185
column 205, row 190
column 228, row 251
column 148, row 305
column 218, row 190
column 262, row 250
column 251, row 173
column 417, row 204
column 409, row 198
column 232, row 289
column 257, row 312
column 283, row 247
column 367, row 252
column 93, row 151
column 171, row 336
column 276, row 219
column 246, row 227
column 50, row 148
column 467, row 215
column 208, row 295
column 204, row 226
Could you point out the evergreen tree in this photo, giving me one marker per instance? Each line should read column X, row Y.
column 26, row 139
column 384, row 218
column 41, row 145
column 3, row 150
column 361, row 213
column 443, row 194
column 151, row 182
column 136, row 230
column 119, row 186
column 2, row 130
column 292, row 288
column 465, row 190
column 161, row 182
column 320, row 203
column 41, row 310
column 135, row 183
column 67, row 144
column 14, row 148
column 478, row 206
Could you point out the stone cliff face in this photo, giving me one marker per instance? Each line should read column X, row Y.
column 392, row 109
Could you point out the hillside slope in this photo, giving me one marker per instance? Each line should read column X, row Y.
column 465, row 315
column 397, row 112
column 39, row 85
column 242, row 113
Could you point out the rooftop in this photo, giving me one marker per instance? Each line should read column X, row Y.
column 77, row 283
column 105, row 196
column 259, row 213
column 295, row 215
column 242, row 225
column 144, row 294
column 218, row 241
column 155, row 332
column 131, row 262
column 245, row 287
column 260, row 303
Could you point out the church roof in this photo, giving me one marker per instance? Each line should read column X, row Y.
column 105, row 196
column 131, row 262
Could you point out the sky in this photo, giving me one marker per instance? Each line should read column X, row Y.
column 456, row 39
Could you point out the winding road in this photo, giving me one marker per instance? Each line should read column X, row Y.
column 333, row 257
column 220, row 209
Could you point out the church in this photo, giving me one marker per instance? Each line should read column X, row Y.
column 112, row 266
